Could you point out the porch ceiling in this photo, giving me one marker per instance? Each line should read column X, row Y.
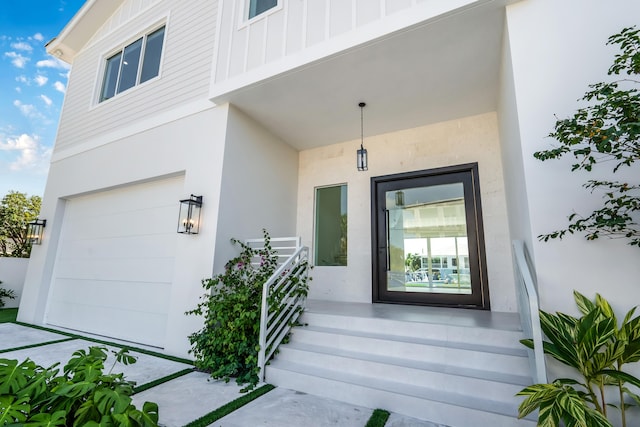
column 437, row 71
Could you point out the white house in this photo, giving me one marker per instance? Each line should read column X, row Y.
column 254, row 105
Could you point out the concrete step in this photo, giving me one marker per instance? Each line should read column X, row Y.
column 423, row 402
column 439, row 377
column 453, row 354
column 441, row 326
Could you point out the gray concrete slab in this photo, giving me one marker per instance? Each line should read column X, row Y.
column 14, row 336
column 397, row 420
column 188, row 398
column 286, row 408
column 146, row 369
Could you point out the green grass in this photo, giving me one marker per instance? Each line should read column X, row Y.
column 109, row 343
column 224, row 410
column 8, row 315
column 378, row 418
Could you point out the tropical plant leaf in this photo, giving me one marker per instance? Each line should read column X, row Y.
column 57, row 419
column 13, row 409
column 14, row 376
column 584, row 304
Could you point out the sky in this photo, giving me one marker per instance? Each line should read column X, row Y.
column 32, row 87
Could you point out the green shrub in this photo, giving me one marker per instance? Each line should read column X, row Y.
column 597, row 348
column 82, row 396
column 228, row 344
column 6, row 293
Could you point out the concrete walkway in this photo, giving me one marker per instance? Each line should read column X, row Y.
column 191, row 396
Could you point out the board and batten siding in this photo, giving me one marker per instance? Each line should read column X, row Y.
column 185, row 69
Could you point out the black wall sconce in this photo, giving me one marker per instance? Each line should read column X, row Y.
column 361, row 158
column 35, row 230
column 189, row 217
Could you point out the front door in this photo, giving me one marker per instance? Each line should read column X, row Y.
column 428, row 243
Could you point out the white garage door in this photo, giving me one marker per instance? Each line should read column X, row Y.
column 115, row 262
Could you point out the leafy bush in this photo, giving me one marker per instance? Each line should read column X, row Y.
column 82, row 396
column 606, row 132
column 597, row 348
column 6, row 293
column 228, row 344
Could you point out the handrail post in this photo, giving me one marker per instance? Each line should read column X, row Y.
column 262, row 341
column 525, row 287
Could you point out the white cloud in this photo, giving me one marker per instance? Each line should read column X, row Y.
column 59, row 86
column 22, row 46
column 53, row 63
column 26, row 109
column 41, row 80
column 30, row 153
column 17, row 59
column 38, row 36
column 18, row 89
column 46, row 100
column 22, row 79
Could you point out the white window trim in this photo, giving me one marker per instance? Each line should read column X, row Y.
column 244, row 20
column 163, row 22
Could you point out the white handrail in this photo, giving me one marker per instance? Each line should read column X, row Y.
column 529, row 311
column 276, row 319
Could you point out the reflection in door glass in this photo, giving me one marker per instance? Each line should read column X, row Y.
column 427, row 240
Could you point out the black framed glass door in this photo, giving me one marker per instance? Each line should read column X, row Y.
column 428, row 243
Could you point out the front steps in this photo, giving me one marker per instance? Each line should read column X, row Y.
column 449, row 366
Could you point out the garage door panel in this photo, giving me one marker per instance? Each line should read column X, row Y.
column 115, row 262
column 125, row 295
column 161, row 220
column 154, row 246
column 148, row 270
column 111, row 322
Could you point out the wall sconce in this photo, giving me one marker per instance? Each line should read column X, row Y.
column 189, row 218
column 35, row 230
column 361, row 158
column 399, row 198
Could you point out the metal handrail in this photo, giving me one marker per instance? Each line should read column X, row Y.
column 276, row 319
column 529, row 311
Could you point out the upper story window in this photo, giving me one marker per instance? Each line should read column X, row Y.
column 135, row 64
column 256, row 7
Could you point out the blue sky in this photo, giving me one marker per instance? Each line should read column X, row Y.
column 32, row 86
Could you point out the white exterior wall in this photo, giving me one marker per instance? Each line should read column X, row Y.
column 259, row 186
column 556, row 52
column 471, row 139
column 12, row 274
column 184, row 72
column 192, row 147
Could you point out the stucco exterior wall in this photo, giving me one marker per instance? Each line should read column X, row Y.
column 259, row 186
column 551, row 70
column 12, row 274
column 471, row 139
column 192, row 147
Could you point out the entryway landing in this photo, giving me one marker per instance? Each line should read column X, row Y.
column 420, row 314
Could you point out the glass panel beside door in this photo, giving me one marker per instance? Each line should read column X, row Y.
column 427, row 239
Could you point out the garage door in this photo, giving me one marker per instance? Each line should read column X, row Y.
column 115, row 262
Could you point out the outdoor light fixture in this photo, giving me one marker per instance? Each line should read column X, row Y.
column 399, row 198
column 189, row 218
column 362, row 152
column 35, row 230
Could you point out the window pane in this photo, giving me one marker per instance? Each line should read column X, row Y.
column 257, row 7
column 152, row 54
column 427, row 233
column 129, row 69
column 331, row 226
column 110, row 77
